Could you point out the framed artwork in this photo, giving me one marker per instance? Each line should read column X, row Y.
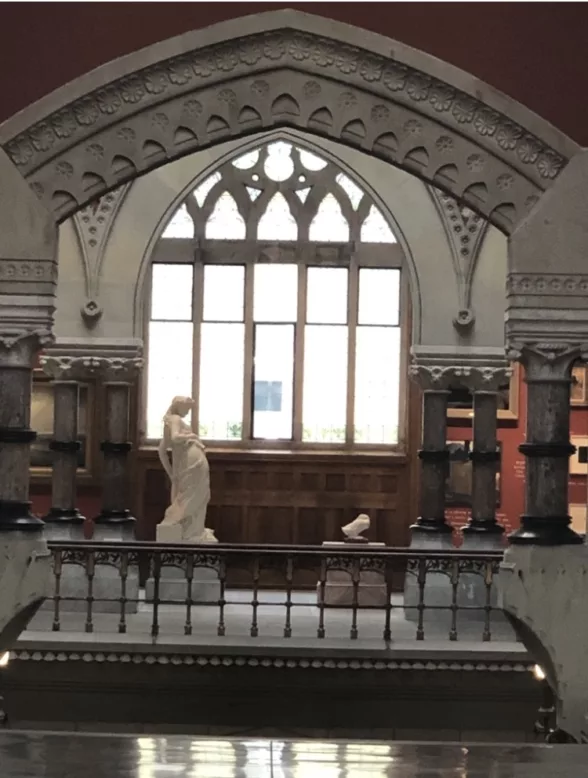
column 461, row 402
column 578, row 516
column 458, row 486
column 579, row 460
column 42, row 423
column 579, row 389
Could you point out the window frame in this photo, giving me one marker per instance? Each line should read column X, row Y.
column 248, row 254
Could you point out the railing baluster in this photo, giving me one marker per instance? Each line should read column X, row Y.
column 57, row 568
column 254, row 632
column 156, row 579
column 123, row 572
column 454, row 585
column 90, row 569
column 222, row 578
column 189, row 580
column 488, row 581
column 289, row 579
column 321, row 588
column 355, row 576
column 421, row 581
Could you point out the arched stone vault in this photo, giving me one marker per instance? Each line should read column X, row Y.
column 286, row 69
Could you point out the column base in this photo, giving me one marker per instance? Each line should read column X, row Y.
column 64, row 516
column 481, row 527
column 431, row 527
column 543, row 531
column 16, row 516
column 114, row 517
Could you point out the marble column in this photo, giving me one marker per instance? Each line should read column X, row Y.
column 547, row 447
column 65, row 372
column 483, row 528
column 17, row 354
column 119, row 376
column 433, row 455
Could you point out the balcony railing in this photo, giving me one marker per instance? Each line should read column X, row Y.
column 268, row 595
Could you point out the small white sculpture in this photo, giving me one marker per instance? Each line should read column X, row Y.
column 184, row 520
column 353, row 530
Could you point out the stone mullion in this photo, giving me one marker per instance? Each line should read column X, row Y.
column 485, row 459
column 434, row 462
column 65, row 446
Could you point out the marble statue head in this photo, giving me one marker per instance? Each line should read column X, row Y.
column 180, row 406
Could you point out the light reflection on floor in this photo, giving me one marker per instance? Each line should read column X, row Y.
column 57, row 755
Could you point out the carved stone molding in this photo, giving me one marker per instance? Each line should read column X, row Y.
column 94, row 224
column 286, row 78
column 432, row 377
column 547, row 285
column 285, row 662
column 465, row 230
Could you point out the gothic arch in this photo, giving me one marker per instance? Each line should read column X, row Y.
column 286, row 69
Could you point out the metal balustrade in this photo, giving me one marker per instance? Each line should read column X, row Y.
column 281, row 592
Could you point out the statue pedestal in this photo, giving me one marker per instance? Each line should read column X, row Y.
column 371, row 591
column 173, row 586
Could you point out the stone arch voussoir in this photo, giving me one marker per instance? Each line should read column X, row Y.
column 285, row 75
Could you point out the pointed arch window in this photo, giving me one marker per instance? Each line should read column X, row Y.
column 276, row 302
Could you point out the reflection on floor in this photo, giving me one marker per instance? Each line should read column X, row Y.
column 51, row 755
column 270, row 619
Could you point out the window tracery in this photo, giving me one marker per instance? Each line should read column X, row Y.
column 285, row 285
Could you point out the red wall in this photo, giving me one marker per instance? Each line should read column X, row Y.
column 533, row 52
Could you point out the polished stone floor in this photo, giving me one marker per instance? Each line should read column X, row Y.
column 52, row 755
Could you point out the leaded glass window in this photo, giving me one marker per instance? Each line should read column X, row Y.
column 276, row 303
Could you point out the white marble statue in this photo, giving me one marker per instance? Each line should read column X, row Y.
column 353, row 530
column 184, row 520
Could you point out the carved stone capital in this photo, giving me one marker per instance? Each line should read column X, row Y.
column 483, row 379
column 66, row 368
column 546, row 361
column 435, row 378
column 115, row 370
column 19, row 347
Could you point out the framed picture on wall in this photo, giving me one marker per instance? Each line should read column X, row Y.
column 579, row 390
column 42, row 422
column 461, row 403
column 458, row 486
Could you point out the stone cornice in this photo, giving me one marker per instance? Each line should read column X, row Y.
column 438, row 369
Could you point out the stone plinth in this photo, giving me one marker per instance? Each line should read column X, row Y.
column 173, row 586
column 107, row 582
column 437, row 585
column 371, row 590
column 472, row 590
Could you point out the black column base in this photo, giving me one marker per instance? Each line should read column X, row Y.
column 482, row 527
column 16, row 516
column 114, row 517
column 545, row 531
column 64, row 516
column 430, row 526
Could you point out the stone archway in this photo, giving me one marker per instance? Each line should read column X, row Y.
column 281, row 69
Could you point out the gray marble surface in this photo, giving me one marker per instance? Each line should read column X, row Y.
column 67, row 755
